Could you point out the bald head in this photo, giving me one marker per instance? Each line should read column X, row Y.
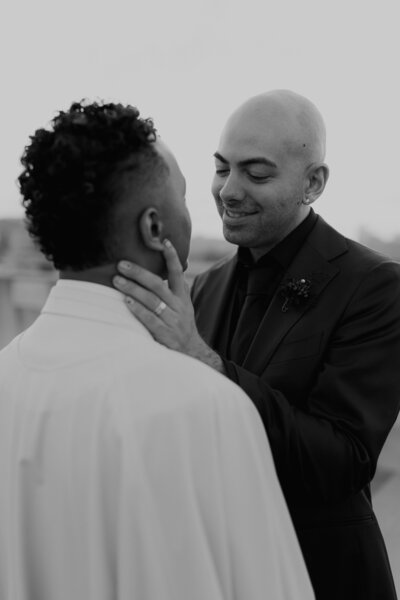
column 269, row 168
column 291, row 120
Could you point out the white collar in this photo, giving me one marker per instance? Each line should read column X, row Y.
column 91, row 301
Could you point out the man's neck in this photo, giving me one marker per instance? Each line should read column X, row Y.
column 258, row 253
column 102, row 275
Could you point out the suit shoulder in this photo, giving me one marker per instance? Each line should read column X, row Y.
column 369, row 253
column 365, row 260
column 350, row 254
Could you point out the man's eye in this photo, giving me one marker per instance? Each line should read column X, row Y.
column 222, row 172
column 259, row 177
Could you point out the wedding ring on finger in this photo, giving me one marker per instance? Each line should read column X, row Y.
column 160, row 308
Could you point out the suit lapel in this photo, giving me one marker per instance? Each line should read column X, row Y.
column 311, row 264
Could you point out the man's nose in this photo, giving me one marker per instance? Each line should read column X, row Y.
column 231, row 190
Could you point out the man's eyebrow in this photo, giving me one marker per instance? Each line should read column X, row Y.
column 221, row 158
column 258, row 160
column 250, row 161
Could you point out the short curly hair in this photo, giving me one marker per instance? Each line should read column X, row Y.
column 73, row 179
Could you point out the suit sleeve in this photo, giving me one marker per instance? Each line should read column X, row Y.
column 328, row 450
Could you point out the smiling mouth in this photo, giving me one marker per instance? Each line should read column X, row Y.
column 236, row 214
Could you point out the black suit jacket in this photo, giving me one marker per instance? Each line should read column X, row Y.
column 325, row 378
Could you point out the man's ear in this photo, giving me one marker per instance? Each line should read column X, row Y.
column 317, row 177
column 151, row 229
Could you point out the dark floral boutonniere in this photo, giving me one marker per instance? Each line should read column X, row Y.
column 295, row 292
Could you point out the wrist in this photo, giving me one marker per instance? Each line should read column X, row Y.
column 206, row 355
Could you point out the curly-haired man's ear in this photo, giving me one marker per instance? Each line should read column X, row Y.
column 151, row 229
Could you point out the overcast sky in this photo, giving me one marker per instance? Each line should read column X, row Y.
column 189, row 64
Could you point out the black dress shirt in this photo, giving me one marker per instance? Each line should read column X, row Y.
column 255, row 283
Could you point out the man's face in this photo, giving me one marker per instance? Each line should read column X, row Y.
column 258, row 183
column 177, row 226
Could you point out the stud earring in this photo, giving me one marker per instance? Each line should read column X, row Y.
column 306, row 201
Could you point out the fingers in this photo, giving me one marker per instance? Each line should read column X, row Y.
column 176, row 280
column 147, row 317
column 142, row 285
column 131, row 289
column 154, row 324
column 151, row 282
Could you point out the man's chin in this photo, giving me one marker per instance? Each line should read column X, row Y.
column 235, row 237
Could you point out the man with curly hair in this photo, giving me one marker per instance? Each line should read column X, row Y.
column 128, row 471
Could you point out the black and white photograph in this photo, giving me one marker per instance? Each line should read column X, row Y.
column 199, row 300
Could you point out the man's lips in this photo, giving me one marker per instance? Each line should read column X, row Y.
column 235, row 214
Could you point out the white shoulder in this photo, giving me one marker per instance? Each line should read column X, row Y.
column 170, row 381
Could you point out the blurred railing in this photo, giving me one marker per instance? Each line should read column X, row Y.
column 23, row 293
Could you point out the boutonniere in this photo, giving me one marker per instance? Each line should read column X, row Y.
column 295, row 292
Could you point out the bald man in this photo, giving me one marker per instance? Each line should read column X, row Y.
column 307, row 322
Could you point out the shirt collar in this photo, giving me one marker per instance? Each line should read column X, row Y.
column 285, row 251
column 93, row 302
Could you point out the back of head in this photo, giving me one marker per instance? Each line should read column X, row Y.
column 75, row 175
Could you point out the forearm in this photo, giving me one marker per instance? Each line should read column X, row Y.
column 316, row 457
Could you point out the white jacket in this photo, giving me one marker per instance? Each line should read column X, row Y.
column 132, row 472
